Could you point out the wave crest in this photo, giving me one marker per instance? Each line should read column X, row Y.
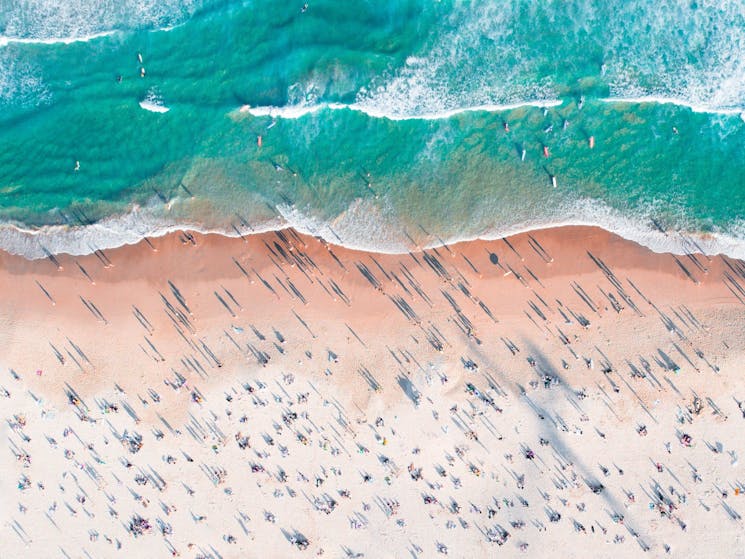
column 298, row 111
column 39, row 21
column 486, row 53
column 153, row 102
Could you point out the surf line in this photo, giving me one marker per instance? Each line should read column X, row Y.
column 298, row 111
column 659, row 100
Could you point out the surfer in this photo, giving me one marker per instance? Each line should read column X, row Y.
column 506, row 126
column 304, row 8
column 592, row 142
column 77, row 166
column 545, row 151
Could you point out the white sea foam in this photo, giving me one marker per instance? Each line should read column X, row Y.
column 5, row 41
column 21, row 83
column 289, row 112
column 691, row 52
column 52, row 21
column 491, row 108
column 696, row 108
column 366, row 225
column 634, row 227
column 153, row 102
column 154, row 107
column 298, row 111
column 483, row 53
column 471, row 59
column 119, row 230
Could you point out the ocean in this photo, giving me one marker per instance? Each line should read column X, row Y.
column 377, row 125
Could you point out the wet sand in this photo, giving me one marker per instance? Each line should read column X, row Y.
column 562, row 389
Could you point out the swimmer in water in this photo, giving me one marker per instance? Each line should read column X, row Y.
column 77, row 166
column 304, row 8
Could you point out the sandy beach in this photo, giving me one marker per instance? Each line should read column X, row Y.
column 561, row 392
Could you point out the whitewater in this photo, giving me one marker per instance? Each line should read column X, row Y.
column 360, row 229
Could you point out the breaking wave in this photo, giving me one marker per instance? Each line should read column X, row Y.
column 364, row 226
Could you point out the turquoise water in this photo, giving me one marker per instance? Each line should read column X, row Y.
column 379, row 121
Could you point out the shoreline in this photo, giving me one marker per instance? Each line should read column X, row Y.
column 117, row 231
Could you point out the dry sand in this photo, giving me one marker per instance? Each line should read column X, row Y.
column 240, row 396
